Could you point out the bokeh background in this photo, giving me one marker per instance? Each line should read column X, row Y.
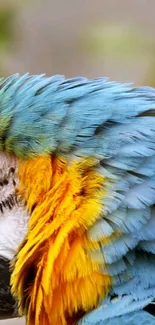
column 92, row 38
column 113, row 38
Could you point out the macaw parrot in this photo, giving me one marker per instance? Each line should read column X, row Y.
column 77, row 201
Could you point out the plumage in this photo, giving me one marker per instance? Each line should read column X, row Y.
column 84, row 153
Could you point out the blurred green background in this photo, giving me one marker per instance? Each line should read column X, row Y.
column 113, row 38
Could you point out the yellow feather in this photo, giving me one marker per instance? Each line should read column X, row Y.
column 64, row 200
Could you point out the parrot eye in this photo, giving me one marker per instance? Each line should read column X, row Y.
column 8, row 197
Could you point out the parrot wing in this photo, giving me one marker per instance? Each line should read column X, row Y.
column 134, row 318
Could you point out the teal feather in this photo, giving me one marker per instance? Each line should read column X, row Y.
column 132, row 318
column 42, row 115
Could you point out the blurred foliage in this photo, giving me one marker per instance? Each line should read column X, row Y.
column 121, row 42
column 116, row 40
column 7, row 33
column 6, row 24
column 150, row 78
column 109, row 41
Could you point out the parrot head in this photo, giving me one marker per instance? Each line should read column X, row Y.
column 77, row 196
column 50, row 197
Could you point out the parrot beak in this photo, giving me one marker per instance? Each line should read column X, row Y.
column 8, row 308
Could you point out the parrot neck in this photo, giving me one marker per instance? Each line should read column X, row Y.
column 54, row 277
